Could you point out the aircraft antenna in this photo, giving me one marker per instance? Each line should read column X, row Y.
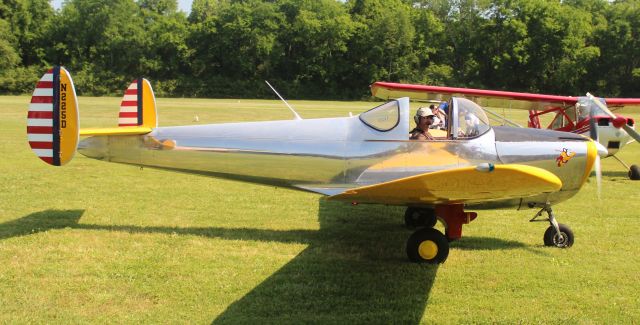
column 295, row 114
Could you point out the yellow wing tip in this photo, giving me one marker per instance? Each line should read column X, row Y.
column 543, row 174
column 459, row 184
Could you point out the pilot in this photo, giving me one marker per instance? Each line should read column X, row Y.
column 424, row 118
column 583, row 111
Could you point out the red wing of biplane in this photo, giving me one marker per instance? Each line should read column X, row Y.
column 487, row 98
column 567, row 113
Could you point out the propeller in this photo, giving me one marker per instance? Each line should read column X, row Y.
column 598, row 174
column 593, row 133
column 633, row 133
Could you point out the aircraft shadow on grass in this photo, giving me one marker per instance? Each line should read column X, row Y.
column 616, row 173
column 353, row 270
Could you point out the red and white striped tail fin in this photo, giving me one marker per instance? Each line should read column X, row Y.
column 138, row 106
column 52, row 119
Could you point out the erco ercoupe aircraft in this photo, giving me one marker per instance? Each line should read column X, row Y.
column 366, row 158
column 585, row 115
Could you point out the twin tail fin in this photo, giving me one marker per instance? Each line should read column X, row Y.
column 52, row 119
column 138, row 106
column 53, row 127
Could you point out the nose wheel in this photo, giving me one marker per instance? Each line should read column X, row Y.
column 558, row 235
column 563, row 239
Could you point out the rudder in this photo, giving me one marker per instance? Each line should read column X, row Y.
column 52, row 119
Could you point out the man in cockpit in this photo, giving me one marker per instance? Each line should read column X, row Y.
column 583, row 111
column 423, row 118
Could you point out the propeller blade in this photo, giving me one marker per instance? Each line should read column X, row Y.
column 633, row 133
column 593, row 128
column 601, row 105
column 602, row 152
column 598, row 176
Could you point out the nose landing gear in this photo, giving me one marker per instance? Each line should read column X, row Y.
column 558, row 235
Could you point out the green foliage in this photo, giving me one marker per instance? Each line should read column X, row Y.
column 23, row 26
column 324, row 48
column 382, row 48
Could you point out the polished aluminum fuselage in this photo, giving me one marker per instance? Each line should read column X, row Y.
column 331, row 155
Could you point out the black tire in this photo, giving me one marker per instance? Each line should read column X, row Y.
column 634, row 172
column 565, row 240
column 420, row 217
column 427, row 245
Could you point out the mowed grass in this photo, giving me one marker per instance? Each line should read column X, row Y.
column 94, row 242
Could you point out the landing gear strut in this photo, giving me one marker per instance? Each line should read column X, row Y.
column 634, row 170
column 428, row 245
column 558, row 235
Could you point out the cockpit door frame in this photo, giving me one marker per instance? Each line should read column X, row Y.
column 453, row 118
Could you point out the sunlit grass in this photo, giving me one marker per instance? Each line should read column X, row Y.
column 94, row 242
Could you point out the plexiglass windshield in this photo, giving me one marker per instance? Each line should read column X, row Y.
column 472, row 121
column 382, row 118
column 586, row 106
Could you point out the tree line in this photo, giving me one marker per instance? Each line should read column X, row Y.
column 323, row 49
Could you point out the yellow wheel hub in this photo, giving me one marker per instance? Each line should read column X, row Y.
column 428, row 250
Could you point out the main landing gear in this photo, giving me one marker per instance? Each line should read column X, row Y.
column 428, row 245
column 558, row 235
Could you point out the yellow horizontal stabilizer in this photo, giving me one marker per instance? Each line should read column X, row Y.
column 459, row 185
column 115, row 131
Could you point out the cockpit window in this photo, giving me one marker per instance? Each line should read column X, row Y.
column 472, row 121
column 586, row 106
column 382, row 118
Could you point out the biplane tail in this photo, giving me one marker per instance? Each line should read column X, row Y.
column 53, row 124
column 52, row 120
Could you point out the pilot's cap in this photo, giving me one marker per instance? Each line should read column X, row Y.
column 424, row 111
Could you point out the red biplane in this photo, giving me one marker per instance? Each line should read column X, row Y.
column 586, row 115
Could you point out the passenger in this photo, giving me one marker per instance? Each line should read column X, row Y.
column 423, row 118
column 440, row 120
column 444, row 107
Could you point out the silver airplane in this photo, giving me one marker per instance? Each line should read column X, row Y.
column 367, row 158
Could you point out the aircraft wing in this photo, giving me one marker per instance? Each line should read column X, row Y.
column 486, row 98
column 459, row 185
column 630, row 103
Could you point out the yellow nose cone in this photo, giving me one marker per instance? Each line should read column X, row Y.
column 592, row 154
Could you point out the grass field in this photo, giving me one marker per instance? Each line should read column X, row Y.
column 94, row 242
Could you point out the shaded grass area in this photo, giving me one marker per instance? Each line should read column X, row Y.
column 108, row 243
